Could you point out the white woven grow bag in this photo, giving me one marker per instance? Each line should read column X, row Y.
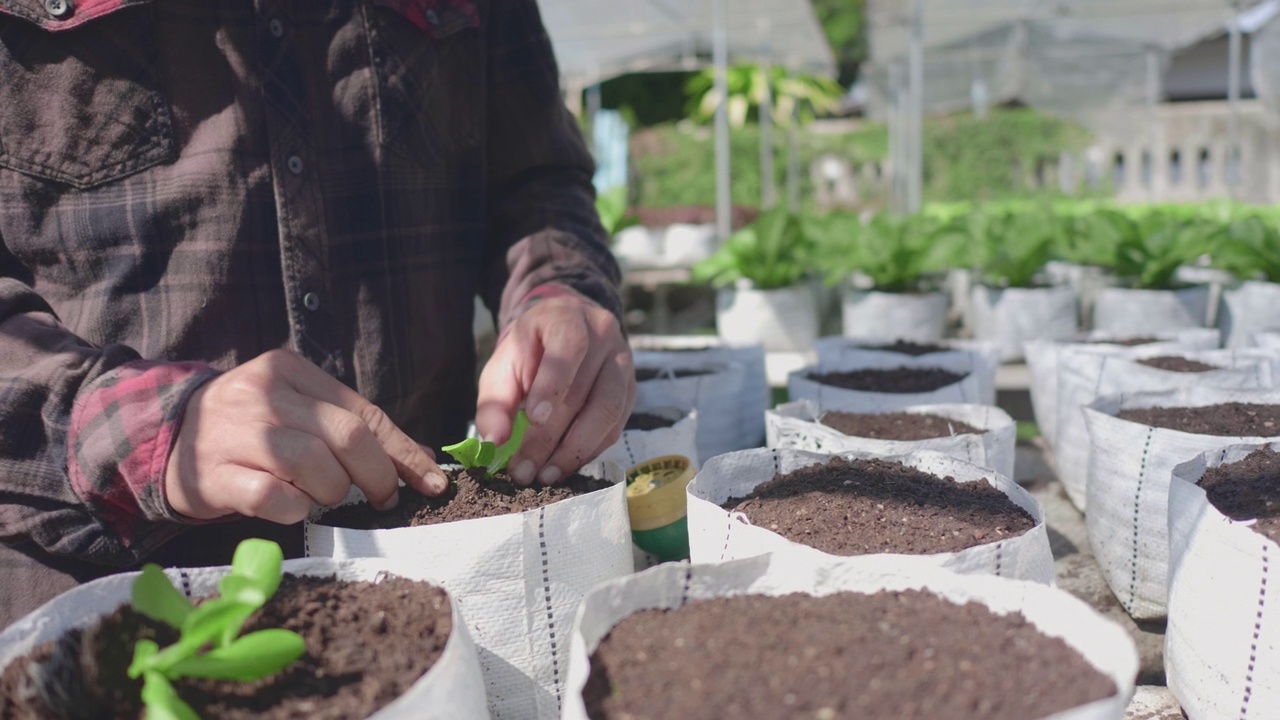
column 518, row 579
column 637, row 446
column 1250, row 308
column 966, row 390
column 918, row 317
column 688, row 350
column 717, row 396
column 1129, row 310
column 783, row 320
column 1012, row 316
column 1087, row 372
column 795, row 425
column 452, row 688
column 1222, row 645
column 716, row 534
column 982, row 359
column 1268, row 339
column 1042, row 364
column 1130, row 466
column 1102, row 643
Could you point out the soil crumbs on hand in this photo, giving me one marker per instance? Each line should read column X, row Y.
column 896, row 425
column 1226, row 419
column 1248, row 489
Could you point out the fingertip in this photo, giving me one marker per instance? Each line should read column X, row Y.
column 391, row 501
column 522, row 474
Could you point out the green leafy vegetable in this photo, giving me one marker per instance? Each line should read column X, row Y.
column 612, row 208
column 1250, row 248
column 255, row 576
column 1151, row 255
column 772, row 253
column 474, row 452
column 897, row 254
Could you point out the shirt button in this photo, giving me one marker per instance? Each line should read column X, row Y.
column 58, row 8
column 311, row 301
column 276, row 27
column 295, row 164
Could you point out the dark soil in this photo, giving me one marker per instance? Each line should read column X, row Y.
column 1248, row 490
column 650, row 373
column 467, row 498
column 860, row 507
column 1126, row 342
column 905, row 347
column 366, row 644
column 896, row 426
column 1173, row 363
column 895, row 380
column 1228, row 419
column 647, row 421
column 906, row 655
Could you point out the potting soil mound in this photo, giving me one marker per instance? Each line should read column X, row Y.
column 893, row 380
column 366, row 644
column 860, row 507
column 650, row 373
column 905, row 655
column 1248, row 489
column 896, row 426
column 1127, row 342
column 1228, row 419
column 1177, row 364
column 906, row 347
column 466, row 499
column 647, row 421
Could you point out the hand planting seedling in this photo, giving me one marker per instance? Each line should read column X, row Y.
column 210, row 645
column 476, row 453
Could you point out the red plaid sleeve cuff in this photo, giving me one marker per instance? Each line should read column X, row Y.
column 122, row 428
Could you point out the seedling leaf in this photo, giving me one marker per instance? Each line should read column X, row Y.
column 509, row 448
column 162, row 700
column 250, row 657
column 477, row 453
column 156, row 597
column 467, row 452
column 260, row 561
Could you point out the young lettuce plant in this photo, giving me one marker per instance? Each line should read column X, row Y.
column 1250, row 249
column 477, row 453
column 1162, row 243
column 210, row 644
column 772, row 253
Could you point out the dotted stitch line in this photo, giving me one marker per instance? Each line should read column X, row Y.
column 186, row 582
column 626, row 442
column 999, row 558
column 688, row 580
column 1137, row 493
column 1257, row 632
column 546, row 589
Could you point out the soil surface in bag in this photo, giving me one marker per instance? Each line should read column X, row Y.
column 893, row 380
column 1126, row 342
column 470, row 496
column 1173, row 363
column 896, row 426
column 366, row 644
column 651, row 373
column 905, row 655
column 906, row 347
column 1228, row 419
column 1248, row 489
column 647, row 421
column 860, row 507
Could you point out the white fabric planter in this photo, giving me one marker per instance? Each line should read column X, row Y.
column 1054, row 612
column 637, row 446
column 1086, row 280
column 715, row 534
column 1267, row 340
column 1012, row 316
column 966, row 390
column 1087, row 372
column 716, row 395
column 694, row 351
column 638, row 244
column 452, row 688
column 918, row 317
column 783, row 320
column 982, row 359
column 1128, row 310
column 1042, row 364
column 1221, row 641
column 687, row 243
column 795, row 425
column 1130, row 466
column 518, row 579
column 1250, row 308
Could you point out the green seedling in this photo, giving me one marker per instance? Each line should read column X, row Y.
column 210, row 644
column 477, row 453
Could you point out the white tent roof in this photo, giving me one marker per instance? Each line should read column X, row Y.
column 598, row 39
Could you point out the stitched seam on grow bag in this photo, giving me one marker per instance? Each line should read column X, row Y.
column 546, row 590
column 727, row 532
column 777, row 464
column 688, row 580
column 1257, row 632
column 999, row 557
column 186, row 582
column 1137, row 494
column 626, row 442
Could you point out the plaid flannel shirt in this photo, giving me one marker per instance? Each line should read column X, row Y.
column 186, row 184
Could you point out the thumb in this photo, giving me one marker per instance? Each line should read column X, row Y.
column 501, row 393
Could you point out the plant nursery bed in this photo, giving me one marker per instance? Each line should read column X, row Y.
column 467, row 498
column 647, row 421
column 649, row 373
column 1226, row 419
column 1248, row 490
column 366, row 644
column 892, row 380
column 860, row 507
column 1174, row 363
column 905, row 347
column 908, row 655
column 896, row 425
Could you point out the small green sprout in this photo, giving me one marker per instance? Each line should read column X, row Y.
column 474, row 452
column 210, row 644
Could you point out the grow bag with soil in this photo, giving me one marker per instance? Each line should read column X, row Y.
column 518, row 577
column 979, row 359
column 988, row 438
column 920, row 317
column 1130, row 310
column 713, row 389
column 783, row 319
column 727, row 680
column 926, row 504
column 1131, row 462
column 1087, row 372
column 883, row 385
column 1010, row 317
column 1247, row 309
column 366, row 656
column 654, row 432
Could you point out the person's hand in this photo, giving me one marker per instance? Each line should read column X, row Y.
column 566, row 361
column 276, row 435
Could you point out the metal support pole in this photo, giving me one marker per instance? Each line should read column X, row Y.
column 1232, row 168
column 720, row 56
column 897, row 143
column 793, row 160
column 768, row 188
column 593, row 103
column 915, row 120
column 1153, row 126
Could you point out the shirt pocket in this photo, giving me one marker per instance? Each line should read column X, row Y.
column 80, row 102
column 427, row 56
